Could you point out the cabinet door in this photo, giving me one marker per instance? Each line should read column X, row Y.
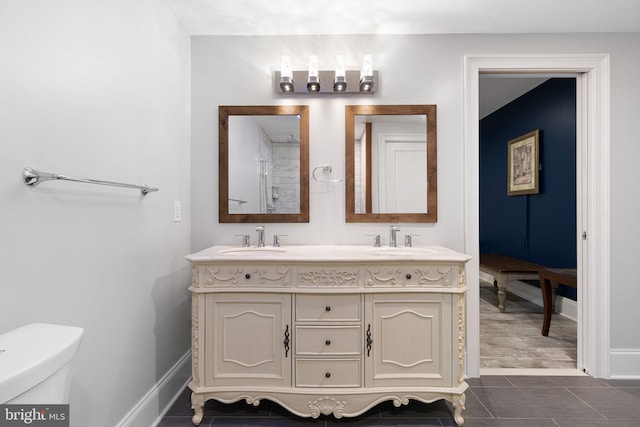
column 409, row 336
column 248, row 340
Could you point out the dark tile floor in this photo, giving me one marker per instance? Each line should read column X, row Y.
column 492, row 401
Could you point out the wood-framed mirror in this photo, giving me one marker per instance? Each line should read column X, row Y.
column 391, row 163
column 263, row 163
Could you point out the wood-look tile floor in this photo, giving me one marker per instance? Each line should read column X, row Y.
column 513, row 339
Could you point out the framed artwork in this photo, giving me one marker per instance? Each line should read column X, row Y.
column 524, row 163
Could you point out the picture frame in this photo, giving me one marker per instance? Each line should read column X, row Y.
column 524, row 164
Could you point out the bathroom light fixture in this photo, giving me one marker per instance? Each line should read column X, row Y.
column 313, row 81
column 366, row 74
column 340, row 79
column 286, row 75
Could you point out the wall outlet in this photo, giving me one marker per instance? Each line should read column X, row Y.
column 177, row 211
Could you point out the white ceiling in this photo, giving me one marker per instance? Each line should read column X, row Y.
column 496, row 91
column 300, row 17
column 297, row 17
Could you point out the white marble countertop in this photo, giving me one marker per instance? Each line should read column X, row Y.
column 323, row 253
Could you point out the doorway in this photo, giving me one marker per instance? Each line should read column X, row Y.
column 592, row 195
column 538, row 226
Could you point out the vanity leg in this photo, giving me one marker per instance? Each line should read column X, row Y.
column 197, row 404
column 458, row 405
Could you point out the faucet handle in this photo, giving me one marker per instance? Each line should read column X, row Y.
column 376, row 240
column 246, row 242
column 260, row 228
column 276, row 239
column 407, row 240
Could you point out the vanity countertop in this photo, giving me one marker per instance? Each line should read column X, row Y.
column 323, row 253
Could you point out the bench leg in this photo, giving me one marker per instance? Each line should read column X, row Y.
column 502, row 294
column 545, row 285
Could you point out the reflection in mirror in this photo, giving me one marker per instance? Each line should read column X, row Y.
column 263, row 164
column 391, row 163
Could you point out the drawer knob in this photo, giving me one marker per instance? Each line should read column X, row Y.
column 327, row 308
column 328, row 342
column 408, row 276
column 328, row 375
column 247, row 276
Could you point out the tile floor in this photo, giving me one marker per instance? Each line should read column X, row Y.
column 513, row 339
column 509, row 339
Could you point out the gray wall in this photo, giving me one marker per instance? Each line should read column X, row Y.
column 237, row 71
column 97, row 89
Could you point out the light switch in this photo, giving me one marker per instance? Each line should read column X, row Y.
column 177, row 211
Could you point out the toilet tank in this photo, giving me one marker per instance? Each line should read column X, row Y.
column 35, row 363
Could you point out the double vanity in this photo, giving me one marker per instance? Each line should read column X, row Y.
column 328, row 329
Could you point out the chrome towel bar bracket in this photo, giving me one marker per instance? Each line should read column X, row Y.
column 33, row 177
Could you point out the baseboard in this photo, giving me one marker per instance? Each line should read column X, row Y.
column 152, row 407
column 624, row 364
column 531, row 372
column 564, row 306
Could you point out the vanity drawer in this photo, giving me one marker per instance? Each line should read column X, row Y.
column 328, row 340
column 328, row 373
column 409, row 276
column 247, row 275
column 341, row 308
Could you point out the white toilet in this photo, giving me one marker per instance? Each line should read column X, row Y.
column 35, row 363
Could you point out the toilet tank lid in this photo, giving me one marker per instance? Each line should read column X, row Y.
column 32, row 353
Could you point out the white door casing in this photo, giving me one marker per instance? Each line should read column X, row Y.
column 593, row 214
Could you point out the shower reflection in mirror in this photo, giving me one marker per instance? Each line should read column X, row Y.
column 264, row 164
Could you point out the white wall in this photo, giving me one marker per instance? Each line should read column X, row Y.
column 97, row 89
column 237, row 71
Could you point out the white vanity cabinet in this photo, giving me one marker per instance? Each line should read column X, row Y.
column 328, row 330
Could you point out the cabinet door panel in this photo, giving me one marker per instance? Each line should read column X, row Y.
column 409, row 335
column 245, row 339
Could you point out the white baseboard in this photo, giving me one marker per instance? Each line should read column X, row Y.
column 624, row 364
column 532, row 372
column 152, row 407
column 564, row 306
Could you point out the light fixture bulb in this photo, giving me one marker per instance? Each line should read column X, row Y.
column 286, row 75
column 313, row 81
column 340, row 80
column 366, row 74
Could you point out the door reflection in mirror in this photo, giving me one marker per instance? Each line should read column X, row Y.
column 390, row 164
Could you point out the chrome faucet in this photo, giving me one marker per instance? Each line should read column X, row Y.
column 260, row 230
column 392, row 239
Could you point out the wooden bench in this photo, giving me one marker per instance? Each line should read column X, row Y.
column 504, row 269
column 549, row 280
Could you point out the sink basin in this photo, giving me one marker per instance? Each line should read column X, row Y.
column 388, row 251
column 251, row 251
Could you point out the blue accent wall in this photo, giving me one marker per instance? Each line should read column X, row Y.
column 539, row 228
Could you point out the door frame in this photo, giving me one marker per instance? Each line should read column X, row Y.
column 592, row 194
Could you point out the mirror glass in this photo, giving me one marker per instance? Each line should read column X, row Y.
column 391, row 164
column 263, row 164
